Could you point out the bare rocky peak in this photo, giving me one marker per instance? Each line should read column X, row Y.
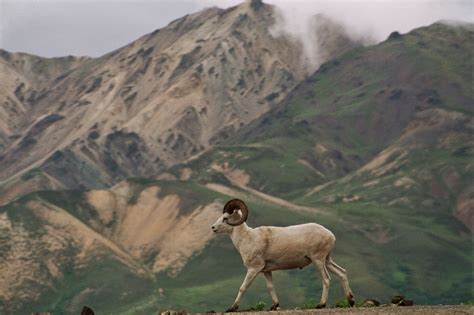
column 162, row 99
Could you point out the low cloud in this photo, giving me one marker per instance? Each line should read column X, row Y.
column 374, row 18
column 365, row 21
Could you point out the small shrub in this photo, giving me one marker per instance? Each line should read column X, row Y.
column 309, row 304
column 260, row 306
column 343, row 303
column 360, row 303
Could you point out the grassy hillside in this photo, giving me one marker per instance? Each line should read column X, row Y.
column 352, row 108
column 383, row 256
column 209, row 281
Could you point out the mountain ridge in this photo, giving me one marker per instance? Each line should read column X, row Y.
column 157, row 101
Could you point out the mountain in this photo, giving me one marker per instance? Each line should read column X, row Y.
column 376, row 145
column 400, row 110
column 170, row 95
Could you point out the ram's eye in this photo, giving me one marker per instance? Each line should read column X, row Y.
column 225, row 219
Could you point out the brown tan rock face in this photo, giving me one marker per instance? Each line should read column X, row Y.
column 149, row 105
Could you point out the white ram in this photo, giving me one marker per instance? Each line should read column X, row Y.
column 268, row 248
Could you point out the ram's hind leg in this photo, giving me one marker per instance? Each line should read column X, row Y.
column 341, row 273
column 326, row 278
column 271, row 288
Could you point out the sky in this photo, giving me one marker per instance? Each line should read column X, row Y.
column 53, row 28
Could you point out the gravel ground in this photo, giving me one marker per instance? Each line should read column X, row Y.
column 388, row 310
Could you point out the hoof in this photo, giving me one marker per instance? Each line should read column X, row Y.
column 407, row 303
column 351, row 301
column 321, row 305
column 232, row 309
column 274, row 307
column 87, row 311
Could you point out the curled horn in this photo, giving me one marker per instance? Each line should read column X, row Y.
column 236, row 204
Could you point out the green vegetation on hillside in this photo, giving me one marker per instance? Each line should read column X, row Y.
column 353, row 107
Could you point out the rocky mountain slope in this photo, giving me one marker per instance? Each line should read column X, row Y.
column 26, row 80
column 91, row 122
column 400, row 111
column 376, row 145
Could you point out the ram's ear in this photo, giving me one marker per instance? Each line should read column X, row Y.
column 236, row 214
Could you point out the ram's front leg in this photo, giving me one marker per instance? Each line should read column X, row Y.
column 249, row 277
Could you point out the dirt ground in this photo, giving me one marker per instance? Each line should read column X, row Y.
column 388, row 310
